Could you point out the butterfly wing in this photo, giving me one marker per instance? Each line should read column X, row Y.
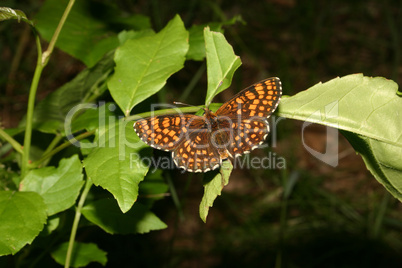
column 247, row 113
column 197, row 146
column 258, row 100
column 166, row 132
column 248, row 134
column 186, row 136
column 196, row 154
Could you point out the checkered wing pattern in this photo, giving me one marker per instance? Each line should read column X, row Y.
column 166, row 132
column 200, row 143
column 197, row 154
column 248, row 112
column 258, row 100
column 248, row 134
column 186, row 136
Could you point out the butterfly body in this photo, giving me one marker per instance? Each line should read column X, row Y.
column 200, row 143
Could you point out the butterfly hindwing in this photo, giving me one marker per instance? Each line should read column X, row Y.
column 197, row 154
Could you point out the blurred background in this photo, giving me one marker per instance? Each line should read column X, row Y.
column 307, row 214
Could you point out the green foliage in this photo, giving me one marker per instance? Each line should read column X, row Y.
column 22, row 217
column 59, row 186
column 108, row 216
column 213, row 187
column 157, row 57
column 7, row 13
column 116, row 165
column 84, row 36
column 366, row 110
column 95, row 144
column 52, row 113
column 221, row 63
column 382, row 159
column 196, row 50
column 83, row 254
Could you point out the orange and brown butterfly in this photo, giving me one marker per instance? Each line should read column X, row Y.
column 200, row 143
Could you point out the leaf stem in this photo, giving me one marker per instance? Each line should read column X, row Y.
column 30, row 110
column 59, row 148
column 164, row 112
column 49, row 51
column 77, row 217
column 175, row 197
column 16, row 145
column 51, row 146
column 42, row 60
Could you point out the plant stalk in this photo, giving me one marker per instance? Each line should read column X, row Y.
column 62, row 146
column 30, row 110
column 49, row 51
column 16, row 145
column 77, row 217
column 42, row 60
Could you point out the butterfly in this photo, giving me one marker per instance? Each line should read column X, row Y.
column 200, row 143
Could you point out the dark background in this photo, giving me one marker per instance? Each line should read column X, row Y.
column 333, row 217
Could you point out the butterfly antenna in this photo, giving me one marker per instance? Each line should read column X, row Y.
column 184, row 104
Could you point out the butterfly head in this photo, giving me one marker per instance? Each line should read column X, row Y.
column 209, row 114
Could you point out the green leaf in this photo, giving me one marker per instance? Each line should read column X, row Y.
column 127, row 35
column 134, row 21
column 83, row 254
column 107, row 215
column 7, row 13
column 196, row 50
column 375, row 99
column 51, row 225
column 92, row 116
column 381, row 159
column 117, row 163
column 22, row 217
column 59, row 186
column 9, row 179
column 84, row 36
column 143, row 65
column 221, row 63
column 214, row 187
column 153, row 187
column 196, row 37
column 366, row 109
column 54, row 114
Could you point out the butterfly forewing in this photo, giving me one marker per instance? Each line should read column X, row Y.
column 258, row 100
column 165, row 132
